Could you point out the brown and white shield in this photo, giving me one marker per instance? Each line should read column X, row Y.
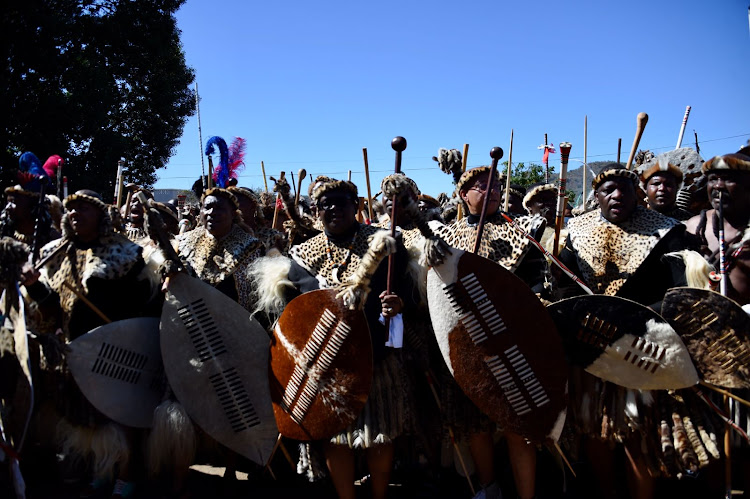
column 321, row 366
column 623, row 342
column 500, row 344
column 216, row 360
column 716, row 331
column 118, row 368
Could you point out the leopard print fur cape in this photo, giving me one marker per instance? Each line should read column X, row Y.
column 113, row 257
column 213, row 260
column 607, row 254
column 501, row 243
column 331, row 271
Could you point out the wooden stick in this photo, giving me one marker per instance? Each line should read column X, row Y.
column 640, row 121
column 88, row 303
column 301, row 174
column 63, row 245
column 276, row 205
column 495, row 153
column 349, row 177
column 263, row 169
column 561, row 194
column 294, row 188
column 726, row 393
column 682, row 128
column 118, row 200
column 399, row 145
column 727, row 452
column 210, row 179
column 585, row 157
column 619, row 148
column 562, row 455
column 200, row 137
column 546, row 163
column 461, row 461
column 506, row 203
column 464, row 160
column 367, row 179
column 549, row 255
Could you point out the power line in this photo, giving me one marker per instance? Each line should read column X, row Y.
column 424, row 157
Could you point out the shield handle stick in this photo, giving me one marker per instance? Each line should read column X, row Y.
column 495, row 153
column 399, row 145
column 431, row 382
column 367, row 179
column 88, row 303
column 640, row 121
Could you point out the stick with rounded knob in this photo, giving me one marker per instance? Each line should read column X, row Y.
column 641, row 121
column 495, row 153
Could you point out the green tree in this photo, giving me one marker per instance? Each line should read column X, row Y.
column 525, row 175
column 94, row 81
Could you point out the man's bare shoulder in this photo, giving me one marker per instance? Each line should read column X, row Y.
column 692, row 224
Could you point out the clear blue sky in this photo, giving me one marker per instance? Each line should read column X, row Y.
column 309, row 84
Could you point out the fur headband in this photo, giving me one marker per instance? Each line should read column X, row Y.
column 535, row 191
column 615, row 171
column 89, row 197
column 469, row 175
column 224, row 193
column 324, row 186
column 660, row 165
column 738, row 162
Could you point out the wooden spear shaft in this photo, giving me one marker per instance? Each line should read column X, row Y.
column 585, row 151
column 367, row 179
column 506, row 203
column 464, row 159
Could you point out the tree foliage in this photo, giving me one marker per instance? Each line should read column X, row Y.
column 94, row 81
column 525, row 175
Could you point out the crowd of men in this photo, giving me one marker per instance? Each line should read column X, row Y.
column 72, row 265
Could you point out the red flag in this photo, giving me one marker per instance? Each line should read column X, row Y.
column 547, row 150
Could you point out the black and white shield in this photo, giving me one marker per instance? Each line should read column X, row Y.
column 216, row 360
column 623, row 342
column 118, row 368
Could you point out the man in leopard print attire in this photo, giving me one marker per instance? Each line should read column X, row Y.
column 502, row 244
column 109, row 271
column 619, row 249
column 221, row 249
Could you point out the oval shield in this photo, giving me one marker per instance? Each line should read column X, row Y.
column 500, row 344
column 716, row 332
column 623, row 342
column 321, row 366
column 118, row 368
column 216, row 360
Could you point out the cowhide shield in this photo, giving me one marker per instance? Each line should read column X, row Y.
column 716, row 332
column 216, row 360
column 118, row 368
column 623, row 342
column 16, row 383
column 500, row 344
column 321, row 366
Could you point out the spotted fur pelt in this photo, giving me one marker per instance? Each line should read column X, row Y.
column 608, row 254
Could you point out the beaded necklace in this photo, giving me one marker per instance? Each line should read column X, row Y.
column 338, row 268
